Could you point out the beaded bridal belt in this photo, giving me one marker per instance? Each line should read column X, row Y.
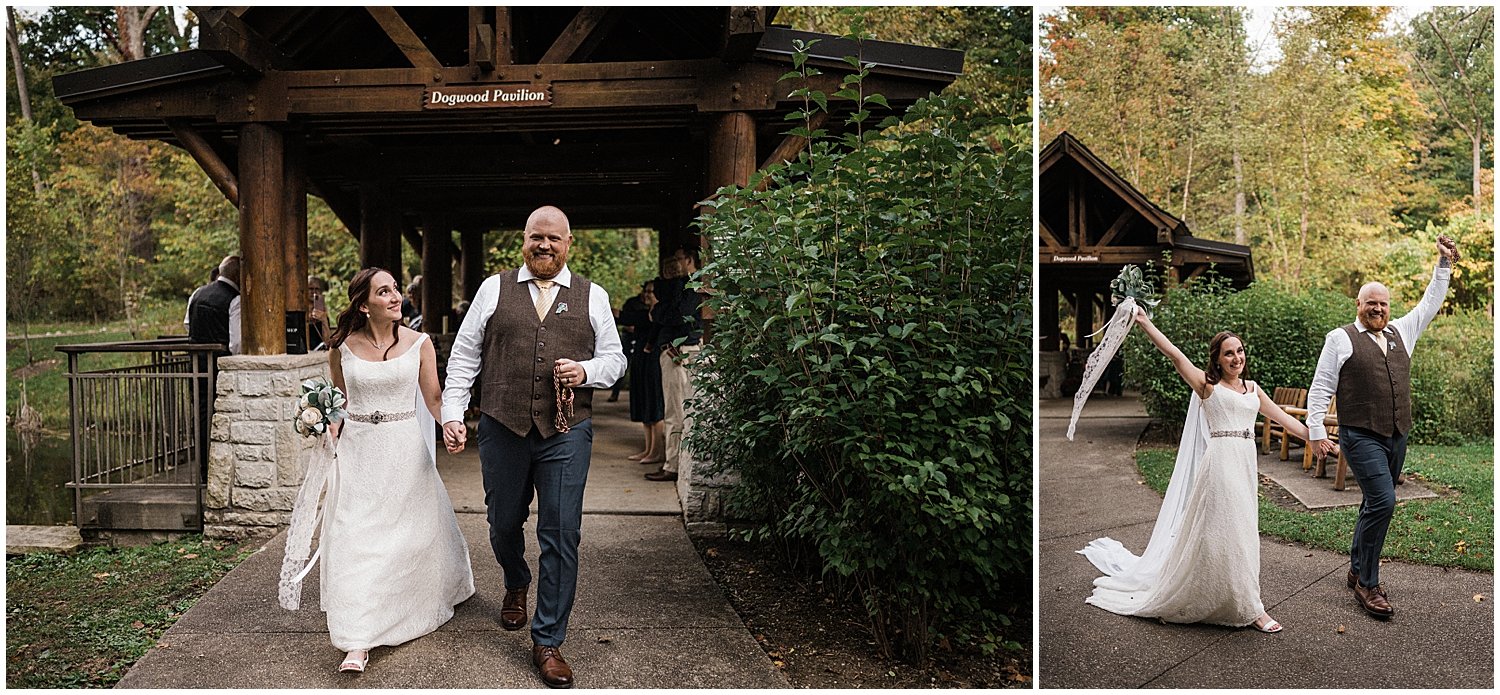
column 378, row 417
column 1246, row 434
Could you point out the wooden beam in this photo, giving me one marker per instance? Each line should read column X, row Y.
column 405, row 39
column 743, row 30
column 221, row 29
column 208, row 158
column 792, row 144
column 1118, row 226
column 262, row 242
column 505, row 39
column 1049, row 238
column 481, row 41
column 437, row 276
column 579, row 38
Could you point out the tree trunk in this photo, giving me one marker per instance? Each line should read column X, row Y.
column 131, row 23
column 21, row 87
column 1187, row 183
column 1239, row 198
column 1477, row 139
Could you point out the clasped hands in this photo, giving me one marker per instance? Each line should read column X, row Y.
column 568, row 373
column 1322, row 448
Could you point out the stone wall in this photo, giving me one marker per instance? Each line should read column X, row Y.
column 255, row 458
column 703, row 498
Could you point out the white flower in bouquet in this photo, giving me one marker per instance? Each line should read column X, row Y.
column 320, row 405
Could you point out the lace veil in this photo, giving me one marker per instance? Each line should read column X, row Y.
column 1114, row 335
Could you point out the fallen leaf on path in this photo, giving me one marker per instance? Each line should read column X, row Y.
column 605, row 640
column 1478, row 598
column 711, row 552
column 189, row 556
column 137, row 624
column 1341, row 629
column 1020, row 678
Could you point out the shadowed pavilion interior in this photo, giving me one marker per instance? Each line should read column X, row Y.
column 416, row 122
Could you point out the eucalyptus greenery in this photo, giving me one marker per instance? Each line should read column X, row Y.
column 869, row 374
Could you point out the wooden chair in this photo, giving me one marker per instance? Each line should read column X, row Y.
column 1341, row 468
column 1286, row 397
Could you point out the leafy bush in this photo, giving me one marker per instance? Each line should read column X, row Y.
column 869, row 375
column 1284, row 329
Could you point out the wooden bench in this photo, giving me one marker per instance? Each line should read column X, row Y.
column 1286, row 397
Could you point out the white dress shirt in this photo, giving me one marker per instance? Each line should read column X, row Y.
column 1337, row 349
column 600, row 371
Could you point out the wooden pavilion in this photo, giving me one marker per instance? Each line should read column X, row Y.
column 1092, row 223
column 416, row 122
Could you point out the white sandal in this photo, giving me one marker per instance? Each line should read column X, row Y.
column 1270, row 627
column 353, row 665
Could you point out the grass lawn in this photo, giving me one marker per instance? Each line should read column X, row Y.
column 82, row 620
column 1454, row 530
column 37, row 364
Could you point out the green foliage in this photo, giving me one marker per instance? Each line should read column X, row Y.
column 82, row 620
column 869, row 379
column 1452, row 380
column 1455, row 530
column 1284, row 330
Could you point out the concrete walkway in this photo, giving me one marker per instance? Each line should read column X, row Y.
column 1440, row 637
column 648, row 614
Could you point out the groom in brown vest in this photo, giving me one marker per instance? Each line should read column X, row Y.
column 1367, row 364
column 526, row 329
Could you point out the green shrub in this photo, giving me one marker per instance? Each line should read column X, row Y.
column 1284, row 330
column 869, row 375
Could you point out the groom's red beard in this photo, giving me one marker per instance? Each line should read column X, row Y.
column 1376, row 321
column 545, row 266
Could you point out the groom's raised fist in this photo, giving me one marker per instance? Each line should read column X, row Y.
column 1447, row 248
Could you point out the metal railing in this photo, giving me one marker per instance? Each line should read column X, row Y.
column 139, row 418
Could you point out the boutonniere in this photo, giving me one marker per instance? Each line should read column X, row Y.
column 561, row 308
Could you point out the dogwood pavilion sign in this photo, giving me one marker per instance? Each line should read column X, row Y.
column 486, row 96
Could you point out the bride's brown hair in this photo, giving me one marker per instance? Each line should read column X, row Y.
column 1211, row 374
column 352, row 319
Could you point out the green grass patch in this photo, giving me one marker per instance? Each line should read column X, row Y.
column 82, row 620
column 1454, row 530
column 35, row 361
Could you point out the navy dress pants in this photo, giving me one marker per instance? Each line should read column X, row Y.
column 555, row 469
column 1376, row 462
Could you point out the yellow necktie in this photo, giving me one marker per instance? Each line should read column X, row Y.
column 543, row 297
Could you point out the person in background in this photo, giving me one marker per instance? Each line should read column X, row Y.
column 317, row 314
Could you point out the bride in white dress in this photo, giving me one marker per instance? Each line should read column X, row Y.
column 394, row 562
column 1202, row 564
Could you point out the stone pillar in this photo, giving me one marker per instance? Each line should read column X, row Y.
column 255, row 458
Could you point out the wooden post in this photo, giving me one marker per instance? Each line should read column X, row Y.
column 379, row 231
column 731, row 151
column 262, row 241
column 1083, row 309
column 294, row 223
column 437, row 275
column 1047, row 319
column 472, row 263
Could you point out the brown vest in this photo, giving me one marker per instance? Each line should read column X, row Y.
column 1374, row 387
column 515, row 373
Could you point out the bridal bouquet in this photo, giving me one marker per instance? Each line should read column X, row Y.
column 1131, row 284
column 320, row 405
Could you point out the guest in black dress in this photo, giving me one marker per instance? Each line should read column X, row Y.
column 646, row 404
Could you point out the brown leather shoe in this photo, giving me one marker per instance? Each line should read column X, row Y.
column 513, row 610
column 550, row 664
column 1352, row 579
column 1374, row 601
column 662, row 475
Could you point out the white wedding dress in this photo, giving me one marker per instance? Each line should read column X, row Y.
column 394, row 562
column 1202, row 564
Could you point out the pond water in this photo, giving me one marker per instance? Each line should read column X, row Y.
column 37, row 469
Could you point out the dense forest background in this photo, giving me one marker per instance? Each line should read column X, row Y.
column 101, row 227
column 1338, row 147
